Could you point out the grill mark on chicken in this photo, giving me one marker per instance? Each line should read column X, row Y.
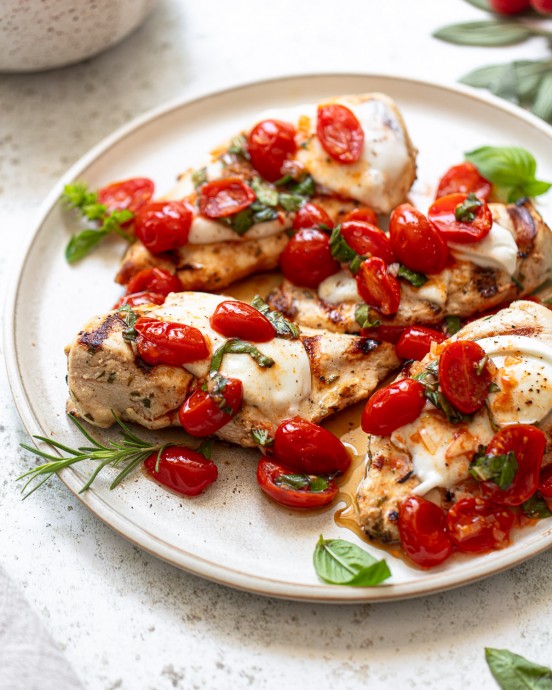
column 524, row 227
column 486, row 282
column 94, row 339
column 364, row 346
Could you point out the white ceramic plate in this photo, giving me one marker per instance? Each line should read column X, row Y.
column 232, row 534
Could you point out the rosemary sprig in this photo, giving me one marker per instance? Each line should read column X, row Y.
column 128, row 453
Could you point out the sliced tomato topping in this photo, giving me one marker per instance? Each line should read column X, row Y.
column 528, row 444
column 154, row 280
column 207, row 411
column 182, row 470
column 445, row 213
column 389, row 334
column 138, row 298
column 273, row 480
column 309, row 448
column 340, row 133
column 364, row 213
column 167, row 342
column 415, row 342
column 545, row 481
column 416, row 242
column 367, row 240
column 163, row 225
column 270, row 143
column 235, row 319
column 476, row 525
column 377, row 287
column 423, row 533
column 307, row 260
column 391, row 407
column 128, row 194
column 464, row 178
column 311, row 216
column 464, row 376
column 222, row 198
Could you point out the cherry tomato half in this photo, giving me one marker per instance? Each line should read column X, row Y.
column 225, row 197
column 541, row 6
column 391, row 407
column 182, row 470
column 528, row 444
column 510, row 6
column 389, row 334
column 442, row 214
column 377, row 287
column 476, row 525
column 235, row 319
column 464, row 178
column 311, row 216
column 128, row 194
column 268, row 474
column 415, row 342
column 163, row 225
column 340, row 133
column 269, row 144
column 307, row 260
column 464, row 377
column 367, row 240
column 309, row 448
column 415, row 241
column 154, row 280
column 422, row 530
column 138, row 298
column 545, row 481
column 167, row 342
column 364, row 213
column 205, row 412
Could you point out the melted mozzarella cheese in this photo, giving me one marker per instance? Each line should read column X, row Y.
column 339, row 288
column 435, row 290
column 497, row 250
column 276, row 391
column 524, row 378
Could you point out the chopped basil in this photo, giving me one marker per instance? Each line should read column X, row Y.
column 129, row 318
column 305, row 186
column 206, row 448
column 239, row 347
column 536, row 507
column 513, row 672
column 494, row 388
column 452, row 325
column 291, row 202
column 297, row 194
column 240, row 222
column 500, row 469
column 300, row 482
column 413, row 277
column 283, row 327
column 238, row 147
column 339, row 248
column 364, row 317
column 199, row 177
column 262, row 437
column 339, row 562
column 467, row 210
column 215, row 387
column 264, row 192
column 429, row 377
column 286, row 179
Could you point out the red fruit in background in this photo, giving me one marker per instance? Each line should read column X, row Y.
column 509, row 6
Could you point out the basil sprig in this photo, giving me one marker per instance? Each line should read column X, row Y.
column 339, row 562
column 429, row 377
column 467, row 210
column 500, row 469
column 452, row 325
column 536, row 507
column 302, row 482
column 413, row 277
column 239, row 347
column 340, row 248
column 514, row 672
column 129, row 318
column 364, row 316
column 283, row 327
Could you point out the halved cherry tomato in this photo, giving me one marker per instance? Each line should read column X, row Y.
column 540, row 6
column 182, row 470
column 442, row 214
column 528, row 444
column 225, row 197
column 416, row 242
column 545, row 481
column 205, row 412
column 464, row 376
column 235, row 319
column 154, row 280
column 167, row 342
column 367, row 240
column 311, row 216
column 377, row 287
column 389, row 334
column 464, row 178
column 268, row 474
column 509, row 6
column 476, row 525
column 163, row 225
column 128, row 194
column 423, row 533
column 269, row 144
column 415, row 342
column 391, row 407
column 309, row 448
column 137, row 298
column 340, row 133
column 307, row 260
column 364, row 213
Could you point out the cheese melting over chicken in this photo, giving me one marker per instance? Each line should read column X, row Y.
column 497, row 250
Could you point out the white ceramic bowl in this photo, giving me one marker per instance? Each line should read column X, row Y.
column 41, row 34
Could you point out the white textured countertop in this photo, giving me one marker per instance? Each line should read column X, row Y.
column 123, row 618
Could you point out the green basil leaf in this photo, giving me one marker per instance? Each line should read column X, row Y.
column 413, row 277
column 542, row 107
column 81, row 244
column 205, row 448
column 238, row 147
column 283, row 327
column 199, row 177
column 536, row 507
column 291, row 202
column 262, row 437
column 264, row 214
column 240, row 222
column 499, row 79
column 296, row 482
column 305, row 186
column 452, row 325
column 340, row 562
column 480, row 4
column 364, row 317
column 239, row 347
column 500, row 469
column 484, row 33
column 129, row 318
column 514, row 672
column 265, row 192
column 79, row 196
column 339, row 248
column 466, row 211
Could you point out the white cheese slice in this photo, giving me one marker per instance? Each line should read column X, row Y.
column 497, row 250
column 338, row 288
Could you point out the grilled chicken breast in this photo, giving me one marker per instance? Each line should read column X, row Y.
column 431, row 455
column 464, row 289
column 313, row 376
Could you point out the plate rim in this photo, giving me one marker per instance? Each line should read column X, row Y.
column 139, row 535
